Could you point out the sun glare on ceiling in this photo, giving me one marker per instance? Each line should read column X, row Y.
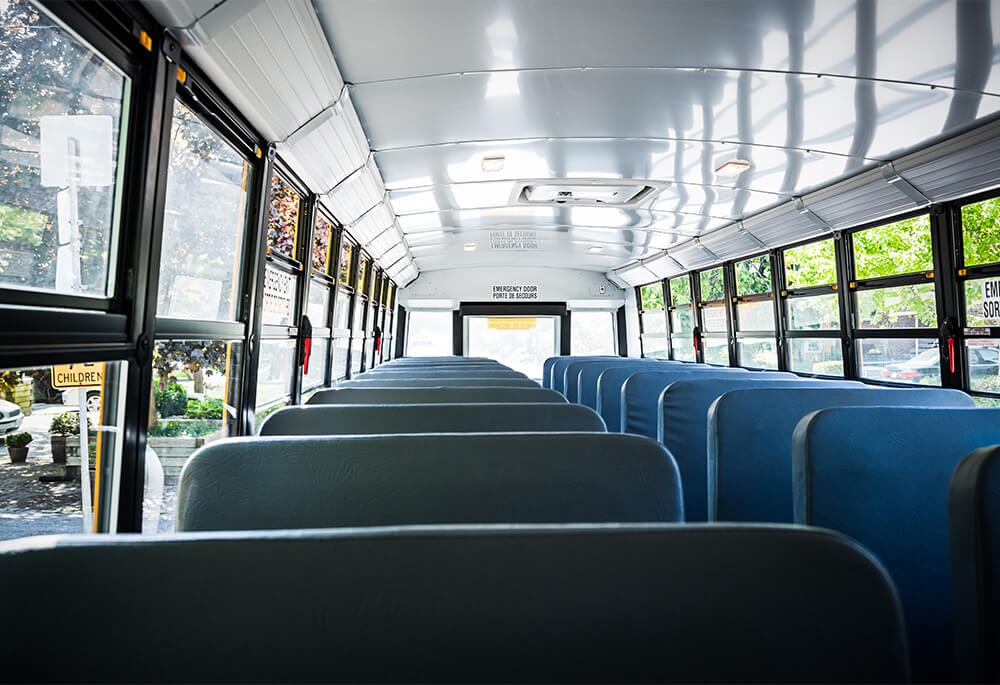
column 733, row 168
column 493, row 163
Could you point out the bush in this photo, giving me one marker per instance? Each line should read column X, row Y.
column 830, row 368
column 177, row 429
column 18, row 439
column 204, row 409
column 67, row 423
column 172, row 401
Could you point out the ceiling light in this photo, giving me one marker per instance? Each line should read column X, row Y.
column 493, row 163
column 469, row 247
column 594, row 249
column 733, row 168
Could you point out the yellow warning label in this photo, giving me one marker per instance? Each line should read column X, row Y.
column 520, row 323
column 65, row 376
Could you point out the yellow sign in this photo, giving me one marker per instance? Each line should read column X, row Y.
column 66, row 376
column 520, row 323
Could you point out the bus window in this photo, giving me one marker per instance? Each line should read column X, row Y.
column 60, row 170
column 981, row 291
column 274, row 377
column 196, row 391
column 593, row 333
column 203, row 224
column 681, row 319
column 49, row 485
column 756, row 342
column 652, row 321
column 428, row 334
column 812, row 309
column 714, row 319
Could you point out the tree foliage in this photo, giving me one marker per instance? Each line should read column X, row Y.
column 712, row 285
column 651, row 296
column 981, row 232
column 811, row 264
column 680, row 290
column 753, row 276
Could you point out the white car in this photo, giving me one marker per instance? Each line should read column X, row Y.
column 10, row 417
column 71, row 398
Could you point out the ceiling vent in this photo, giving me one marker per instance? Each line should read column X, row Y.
column 585, row 192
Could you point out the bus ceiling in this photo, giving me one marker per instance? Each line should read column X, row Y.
column 636, row 140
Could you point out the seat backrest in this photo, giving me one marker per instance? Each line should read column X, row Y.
column 435, row 372
column 658, row 603
column 440, row 382
column 881, row 475
column 547, row 372
column 326, row 482
column 609, row 389
column 682, row 425
column 750, row 442
column 375, row 419
column 341, row 395
column 974, row 533
column 558, row 369
column 590, row 371
column 640, row 393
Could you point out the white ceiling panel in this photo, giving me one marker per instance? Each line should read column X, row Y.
column 372, row 223
column 751, row 108
column 270, row 58
column 441, row 36
column 356, row 194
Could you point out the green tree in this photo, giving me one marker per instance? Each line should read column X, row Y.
column 680, row 290
column 712, row 285
column 753, row 276
column 651, row 296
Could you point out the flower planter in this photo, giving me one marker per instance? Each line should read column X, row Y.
column 174, row 452
column 17, row 454
column 58, row 445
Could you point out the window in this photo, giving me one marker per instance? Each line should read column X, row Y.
column 593, row 333
column 714, row 323
column 319, row 303
column 756, row 342
column 812, row 309
column 903, row 300
column 811, row 265
column 274, row 376
column 980, row 279
column 652, row 321
column 41, row 422
column 203, row 223
column 283, row 218
column 196, row 391
column 317, row 366
column 428, row 334
column 822, row 356
column 344, row 271
column 681, row 319
column 322, row 238
column 62, row 139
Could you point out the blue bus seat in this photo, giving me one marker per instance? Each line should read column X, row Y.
column 640, row 393
column 558, row 369
column 653, row 603
column 611, row 380
column 750, row 442
column 324, row 482
column 881, row 475
column 440, row 382
column 682, row 424
column 590, row 372
column 375, row 419
column 342, row 395
column 974, row 519
column 435, row 372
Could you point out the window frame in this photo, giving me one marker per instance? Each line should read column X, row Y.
column 644, row 335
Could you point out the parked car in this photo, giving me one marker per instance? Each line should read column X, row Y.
column 983, row 361
column 10, row 417
column 69, row 398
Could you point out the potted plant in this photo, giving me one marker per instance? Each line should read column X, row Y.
column 17, row 446
column 62, row 426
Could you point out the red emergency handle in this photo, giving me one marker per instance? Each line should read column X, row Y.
column 307, row 349
column 951, row 354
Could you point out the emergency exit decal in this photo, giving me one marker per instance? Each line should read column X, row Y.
column 515, row 292
column 991, row 299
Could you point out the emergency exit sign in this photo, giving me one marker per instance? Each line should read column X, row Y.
column 991, row 298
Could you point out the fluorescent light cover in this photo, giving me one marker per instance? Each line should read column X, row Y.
column 594, row 249
column 493, row 163
column 733, row 168
column 469, row 247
